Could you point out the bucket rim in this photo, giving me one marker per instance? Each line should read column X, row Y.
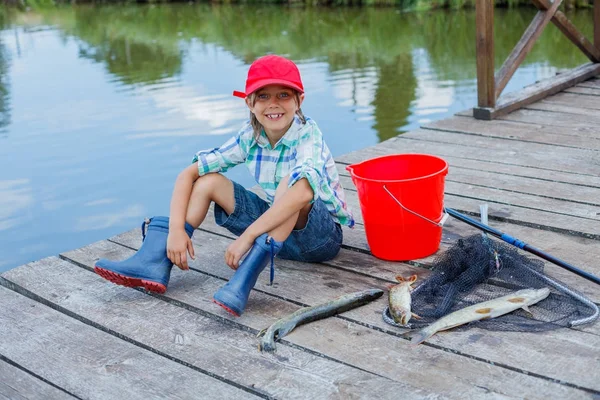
column 350, row 168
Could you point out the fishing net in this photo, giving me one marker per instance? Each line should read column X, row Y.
column 480, row 268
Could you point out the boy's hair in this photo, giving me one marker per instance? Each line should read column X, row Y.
column 257, row 126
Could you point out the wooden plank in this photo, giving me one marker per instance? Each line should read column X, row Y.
column 584, row 90
column 575, row 160
column 16, row 384
column 540, row 155
column 524, row 46
column 220, row 348
column 538, row 91
column 311, row 284
column 92, row 364
column 484, row 24
column 591, row 83
column 580, row 158
column 588, row 125
column 516, row 131
column 574, row 100
column 570, row 31
column 562, row 109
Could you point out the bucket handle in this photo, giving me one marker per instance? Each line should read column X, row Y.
column 440, row 224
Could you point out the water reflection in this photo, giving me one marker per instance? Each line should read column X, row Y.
column 147, row 45
column 4, row 77
column 102, row 106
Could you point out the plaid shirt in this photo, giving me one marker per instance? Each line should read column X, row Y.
column 300, row 153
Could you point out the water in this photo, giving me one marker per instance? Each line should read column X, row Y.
column 101, row 107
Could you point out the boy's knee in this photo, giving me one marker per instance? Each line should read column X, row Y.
column 208, row 182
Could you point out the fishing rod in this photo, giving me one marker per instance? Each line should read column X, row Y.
column 522, row 245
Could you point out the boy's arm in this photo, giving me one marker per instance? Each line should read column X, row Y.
column 181, row 197
column 292, row 201
column 178, row 242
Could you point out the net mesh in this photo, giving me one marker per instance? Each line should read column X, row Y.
column 479, row 268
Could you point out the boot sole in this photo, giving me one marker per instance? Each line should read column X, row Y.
column 123, row 280
column 229, row 310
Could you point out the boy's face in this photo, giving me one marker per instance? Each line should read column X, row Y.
column 275, row 107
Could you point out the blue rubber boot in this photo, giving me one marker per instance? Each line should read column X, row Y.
column 234, row 295
column 149, row 267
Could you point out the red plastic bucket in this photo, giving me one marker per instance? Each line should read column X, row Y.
column 402, row 203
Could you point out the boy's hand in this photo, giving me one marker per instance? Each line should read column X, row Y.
column 236, row 251
column 178, row 245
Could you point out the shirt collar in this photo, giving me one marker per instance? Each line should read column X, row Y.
column 288, row 139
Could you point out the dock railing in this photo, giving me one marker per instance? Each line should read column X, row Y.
column 490, row 84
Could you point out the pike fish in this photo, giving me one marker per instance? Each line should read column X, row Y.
column 399, row 299
column 309, row 314
column 487, row 309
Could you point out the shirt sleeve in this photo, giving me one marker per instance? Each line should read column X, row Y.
column 309, row 160
column 220, row 159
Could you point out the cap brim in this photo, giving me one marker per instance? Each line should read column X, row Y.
column 265, row 82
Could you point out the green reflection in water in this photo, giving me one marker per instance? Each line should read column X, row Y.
column 4, row 77
column 144, row 44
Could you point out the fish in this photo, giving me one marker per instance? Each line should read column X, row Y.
column 305, row 315
column 399, row 299
column 484, row 310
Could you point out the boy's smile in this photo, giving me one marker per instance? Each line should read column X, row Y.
column 275, row 107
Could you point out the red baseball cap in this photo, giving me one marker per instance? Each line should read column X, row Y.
column 271, row 70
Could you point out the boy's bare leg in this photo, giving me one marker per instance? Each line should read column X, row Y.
column 210, row 187
column 296, row 221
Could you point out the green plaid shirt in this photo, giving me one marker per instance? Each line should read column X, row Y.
column 300, row 153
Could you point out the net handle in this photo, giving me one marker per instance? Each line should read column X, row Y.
column 438, row 224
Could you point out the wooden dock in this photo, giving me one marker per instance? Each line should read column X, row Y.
column 66, row 333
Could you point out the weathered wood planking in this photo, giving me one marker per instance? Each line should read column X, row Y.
column 92, row 364
column 517, row 131
column 566, row 120
column 314, row 283
column 341, row 332
column 195, row 339
column 592, row 83
column 584, row 90
column 574, row 100
column 585, row 161
column 16, row 384
column 565, row 109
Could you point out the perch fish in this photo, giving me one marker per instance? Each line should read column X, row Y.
column 399, row 299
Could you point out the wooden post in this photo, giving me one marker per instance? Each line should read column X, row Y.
column 486, row 93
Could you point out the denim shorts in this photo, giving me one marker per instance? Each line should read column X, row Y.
column 320, row 240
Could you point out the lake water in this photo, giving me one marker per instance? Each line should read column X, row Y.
column 101, row 107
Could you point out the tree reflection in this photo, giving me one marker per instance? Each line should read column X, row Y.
column 4, row 78
column 145, row 44
column 395, row 91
